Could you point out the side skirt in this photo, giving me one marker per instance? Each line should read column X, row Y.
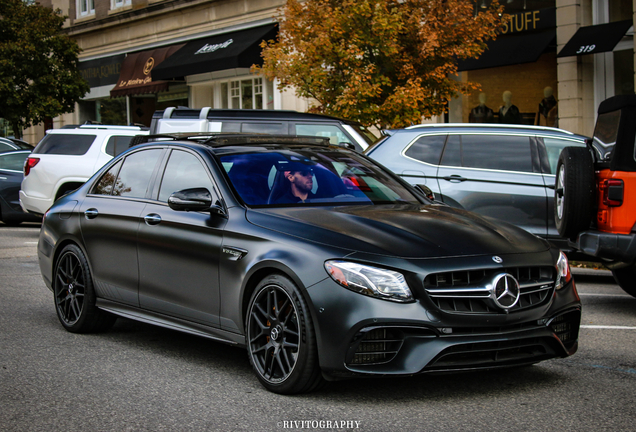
column 171, row 322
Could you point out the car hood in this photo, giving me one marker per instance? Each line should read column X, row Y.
column 402, row 230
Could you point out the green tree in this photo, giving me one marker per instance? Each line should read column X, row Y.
column 380, row 62
column 39, row 77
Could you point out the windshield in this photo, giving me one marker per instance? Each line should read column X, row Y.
column 309, row 176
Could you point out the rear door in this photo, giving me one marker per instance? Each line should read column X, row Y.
column 497, row 176
column 112, row 213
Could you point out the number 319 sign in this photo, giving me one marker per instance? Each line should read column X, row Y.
column 586, row 49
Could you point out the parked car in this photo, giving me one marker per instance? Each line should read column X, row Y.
column 175, row 120
column 313, row 257
column 11, row 163
column 10, row 144
column 65, row 158
column 595, row 198
column 503, row 171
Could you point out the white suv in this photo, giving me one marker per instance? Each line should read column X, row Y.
column 65, row 158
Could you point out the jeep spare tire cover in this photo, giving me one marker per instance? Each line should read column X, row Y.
column 574, row 191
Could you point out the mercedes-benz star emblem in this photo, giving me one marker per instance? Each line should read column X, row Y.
column 505, row 290
column 497, row 259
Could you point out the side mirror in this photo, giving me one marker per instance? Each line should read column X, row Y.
column 196, row 199
column 426, row 191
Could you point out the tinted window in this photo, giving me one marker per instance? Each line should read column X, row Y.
column 105, row 184
column 62, row 144
column 452, row 153
column 134, row 177
column 553, row 147
column 13, row 161
column 427, row 148
column 334, row 133
column 264, row 128
column 5, row 147
column 499, row 152
column 184, row 171
column 118, row 144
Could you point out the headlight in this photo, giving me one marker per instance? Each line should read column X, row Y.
column 563, row 271
column 371, row 281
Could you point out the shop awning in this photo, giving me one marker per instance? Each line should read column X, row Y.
column 135, row 77
column 510, row 50
column 595, row 39
column 240, row 49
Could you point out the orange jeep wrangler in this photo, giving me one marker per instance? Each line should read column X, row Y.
column 595, row 191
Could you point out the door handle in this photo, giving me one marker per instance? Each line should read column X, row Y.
column 455, row 178
column 91, row 213
column 152, row 219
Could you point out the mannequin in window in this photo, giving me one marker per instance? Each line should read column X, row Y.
column 509, row 113
column 481, row 113
column 547, row 114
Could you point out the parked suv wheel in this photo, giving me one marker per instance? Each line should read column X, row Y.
column 574, row 194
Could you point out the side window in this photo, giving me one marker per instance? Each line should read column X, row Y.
column 184, row 171
column 135, row 174
column 63, row 144
column 334, row 133
column 118, row 144
column 5, row 147
column 427, row 148
column 499, row 152
column 264, row 128
column 13, row 161
column 452, row 153
column 553, row 147
column 105, row 185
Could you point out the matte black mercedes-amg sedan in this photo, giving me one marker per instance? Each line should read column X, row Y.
column 321, row 263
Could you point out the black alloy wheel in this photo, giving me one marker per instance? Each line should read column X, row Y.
column 280, row 338
column 74, row 294
column 574, row 191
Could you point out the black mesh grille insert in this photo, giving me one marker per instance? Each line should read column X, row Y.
column 566, row 327
column 467, row 291
column 378, row 346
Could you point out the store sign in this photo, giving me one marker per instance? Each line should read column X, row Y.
column 101, row 72
column 206, row 49
column 530, row 21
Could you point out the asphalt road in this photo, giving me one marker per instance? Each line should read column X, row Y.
column 139, row 377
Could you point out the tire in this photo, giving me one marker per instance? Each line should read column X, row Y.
column 626, row 279
column 281, row 342
column 574, row 192
column 74, row 294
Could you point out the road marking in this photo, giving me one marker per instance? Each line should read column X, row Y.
column 608, row 327
column 604, row 295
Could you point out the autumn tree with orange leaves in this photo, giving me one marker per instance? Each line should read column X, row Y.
column 386, row 63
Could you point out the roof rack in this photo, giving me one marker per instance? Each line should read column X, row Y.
column 490, row 125
column 229, row 139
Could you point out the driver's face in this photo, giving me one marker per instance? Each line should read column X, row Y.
column 304, row 180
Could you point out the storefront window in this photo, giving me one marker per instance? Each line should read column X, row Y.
column 112, row 111
column 246, row 94
column 250, row 93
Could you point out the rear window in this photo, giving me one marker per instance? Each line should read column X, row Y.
column 118, row 144
column 62, row 144
column 606, row 133
column 13, row 161
column 427, row 148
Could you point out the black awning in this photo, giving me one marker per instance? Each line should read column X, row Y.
column 510, row 50
column 595, row 39
column 240, row 49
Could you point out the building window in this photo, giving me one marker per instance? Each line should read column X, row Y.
column 114, row 4
column 85, row 8
column 246, row 93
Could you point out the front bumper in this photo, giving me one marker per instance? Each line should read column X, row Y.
column 616, row 247
column 359, row 335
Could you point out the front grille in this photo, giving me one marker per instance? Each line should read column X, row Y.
column 377, row 346
column 488, row 354
column 467, row 291
column 566, row 327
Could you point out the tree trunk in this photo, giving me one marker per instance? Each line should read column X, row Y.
column 17, row 131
